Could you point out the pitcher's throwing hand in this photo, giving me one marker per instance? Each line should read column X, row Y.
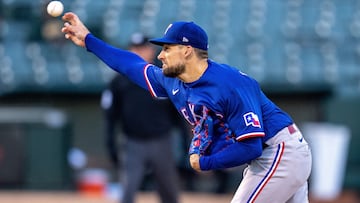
column 74, row 29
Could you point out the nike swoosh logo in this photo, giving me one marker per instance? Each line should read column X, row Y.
column 175, row 91
column 301, row 138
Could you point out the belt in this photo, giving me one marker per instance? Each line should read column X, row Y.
column 291, row 128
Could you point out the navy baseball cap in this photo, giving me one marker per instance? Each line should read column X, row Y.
column 185, row 33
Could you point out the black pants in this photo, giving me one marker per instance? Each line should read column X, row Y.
column 156, row 155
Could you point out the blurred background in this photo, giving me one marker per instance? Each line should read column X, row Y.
column 304, row 53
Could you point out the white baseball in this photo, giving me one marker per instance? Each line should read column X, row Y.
column 55, row 8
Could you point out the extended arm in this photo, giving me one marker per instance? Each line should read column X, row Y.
column 122, row 61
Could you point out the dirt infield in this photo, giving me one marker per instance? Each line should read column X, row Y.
column 72, row 197
column 69, row 197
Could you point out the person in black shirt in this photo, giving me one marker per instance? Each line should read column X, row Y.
column 146, row 124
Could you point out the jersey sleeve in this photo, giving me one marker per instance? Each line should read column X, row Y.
column 244, row 112
column 233, row 155
column 122, row 61
column 155, row 81
column 147, row 76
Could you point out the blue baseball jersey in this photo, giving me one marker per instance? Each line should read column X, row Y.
column 227, row 92
column 233, row 97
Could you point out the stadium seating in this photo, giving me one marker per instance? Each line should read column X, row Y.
column 283, row 43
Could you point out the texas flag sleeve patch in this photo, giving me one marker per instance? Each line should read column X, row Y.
column 252, row 119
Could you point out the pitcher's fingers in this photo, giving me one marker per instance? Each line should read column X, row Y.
column 65, row 29
column 67, row 36
column 70, row 17
column 67, row 16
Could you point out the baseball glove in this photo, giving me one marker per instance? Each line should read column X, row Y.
column 203, row 132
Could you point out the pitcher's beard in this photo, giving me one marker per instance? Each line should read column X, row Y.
column 174, row 71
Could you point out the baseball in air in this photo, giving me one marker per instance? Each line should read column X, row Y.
column 55, row 8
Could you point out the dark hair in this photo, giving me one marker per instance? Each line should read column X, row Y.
column 203, row 54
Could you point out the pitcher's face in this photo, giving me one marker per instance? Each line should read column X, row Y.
column 173, row 60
